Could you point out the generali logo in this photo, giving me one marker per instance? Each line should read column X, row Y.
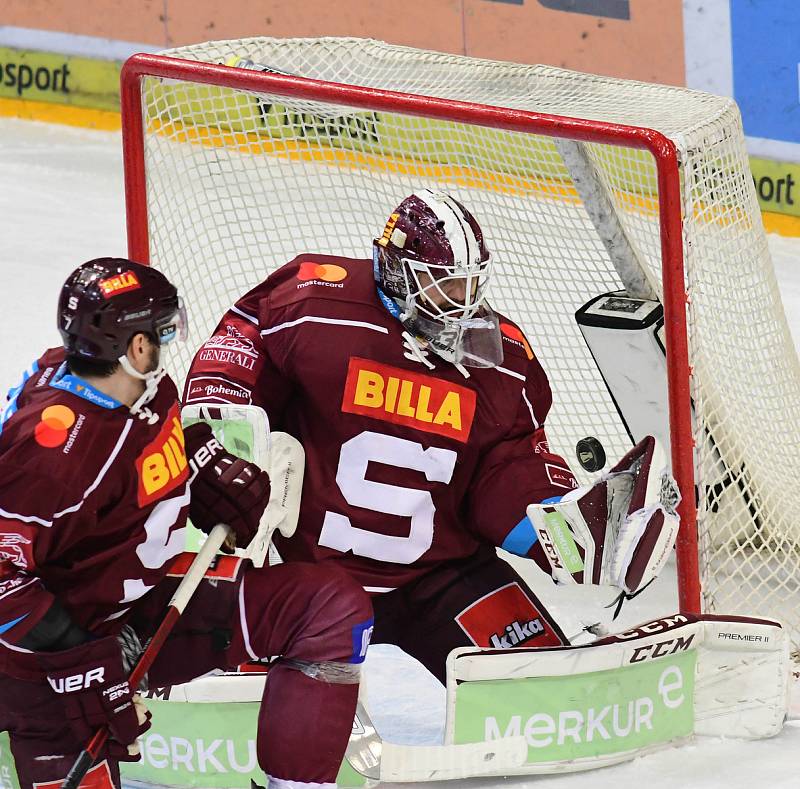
column 119, row 283
column 407, row 398
column 233, row 348
column 162, row 465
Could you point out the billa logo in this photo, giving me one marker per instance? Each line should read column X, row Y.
column 516, row 336
column 327, row 272
column 119, row 283
column 506, row 618
column 407, row 398
column 162, row 465
column 54, row 427
column 387, row 231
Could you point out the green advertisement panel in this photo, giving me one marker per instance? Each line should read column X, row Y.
column 208, row 745
column 592, row 714
column 199, row 745
column 777, row 185
column 8, row 773
column 60, row 79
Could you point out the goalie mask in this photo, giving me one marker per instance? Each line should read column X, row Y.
column 432, row 268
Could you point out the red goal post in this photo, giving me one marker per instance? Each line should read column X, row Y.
column 669, row 199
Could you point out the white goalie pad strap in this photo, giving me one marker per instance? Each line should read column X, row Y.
column 619, row 531
column 625, row 695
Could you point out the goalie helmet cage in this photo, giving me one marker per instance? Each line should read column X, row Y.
column 239, row 155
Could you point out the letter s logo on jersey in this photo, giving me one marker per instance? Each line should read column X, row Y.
column 162, row 465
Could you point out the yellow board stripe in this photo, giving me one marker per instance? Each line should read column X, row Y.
column 68, row 115
column 107, row 120
column 784, row 224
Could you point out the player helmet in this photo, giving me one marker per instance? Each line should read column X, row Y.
column 104, row 302
column 433, row 263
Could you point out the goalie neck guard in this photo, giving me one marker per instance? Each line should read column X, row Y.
column 432, row 267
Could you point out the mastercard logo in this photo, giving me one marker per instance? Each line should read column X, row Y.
column 53, row 429
column 327, row 272
column 513, row 333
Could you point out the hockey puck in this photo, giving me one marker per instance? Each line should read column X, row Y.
column 590, row 453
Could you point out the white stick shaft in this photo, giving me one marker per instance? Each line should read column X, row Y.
column 199, row 566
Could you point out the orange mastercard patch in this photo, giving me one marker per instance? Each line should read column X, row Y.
column 53, row 429
column 515, row 335
column 327, row 272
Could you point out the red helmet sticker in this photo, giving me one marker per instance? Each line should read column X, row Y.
column 119, row 283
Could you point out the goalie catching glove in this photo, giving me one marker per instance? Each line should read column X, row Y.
column 618, row 532
column 224, row 488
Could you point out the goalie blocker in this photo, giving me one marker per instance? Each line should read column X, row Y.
column 617, row 532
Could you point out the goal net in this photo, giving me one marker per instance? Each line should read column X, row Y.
column 234, row 166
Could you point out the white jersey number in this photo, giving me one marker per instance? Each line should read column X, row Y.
column 339, row 533
column 160, row 546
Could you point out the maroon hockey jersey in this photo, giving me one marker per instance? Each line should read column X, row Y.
column 409, row 461
column 93, row 499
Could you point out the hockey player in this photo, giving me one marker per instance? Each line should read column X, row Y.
column 422, row 414
column 96, row 480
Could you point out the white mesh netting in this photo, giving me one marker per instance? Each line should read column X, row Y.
column 238, row 184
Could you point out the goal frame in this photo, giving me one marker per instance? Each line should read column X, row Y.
column 663, row 150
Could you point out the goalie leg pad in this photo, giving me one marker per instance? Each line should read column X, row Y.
column 625, row 695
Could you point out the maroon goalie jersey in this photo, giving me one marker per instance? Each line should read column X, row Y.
column 93, row 499
column 409, row 462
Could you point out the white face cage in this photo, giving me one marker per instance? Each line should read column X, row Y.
column 446, row 293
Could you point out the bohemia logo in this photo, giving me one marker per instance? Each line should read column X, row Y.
column 515, row 336
column 327, row 272
column 119, row 283
column 162, row 465
column 484, row 620
column 53, row 430
column 407, row 398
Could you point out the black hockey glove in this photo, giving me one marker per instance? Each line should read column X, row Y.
column 225, row 489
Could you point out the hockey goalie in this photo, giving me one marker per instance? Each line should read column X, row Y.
column 422, row 412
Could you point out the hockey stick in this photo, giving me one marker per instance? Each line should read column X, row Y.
column 176, row 606
column 378, row 760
